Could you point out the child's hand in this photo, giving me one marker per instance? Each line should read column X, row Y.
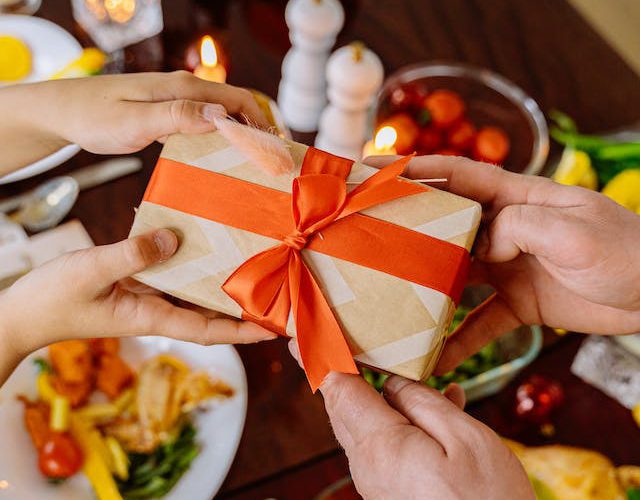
column 112, row 114
column 88, row 294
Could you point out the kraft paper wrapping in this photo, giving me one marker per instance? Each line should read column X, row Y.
column 390, row 324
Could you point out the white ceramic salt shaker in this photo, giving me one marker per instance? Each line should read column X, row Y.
column 354, row 76
column 313, row 27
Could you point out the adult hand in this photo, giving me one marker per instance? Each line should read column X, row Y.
column 414, row 442
column 557, row 255
column 113, row 114
column 88, row 294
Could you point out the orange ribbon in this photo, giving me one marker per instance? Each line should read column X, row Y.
column 270, row 284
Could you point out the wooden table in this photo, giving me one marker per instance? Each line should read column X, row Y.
column 288, row 450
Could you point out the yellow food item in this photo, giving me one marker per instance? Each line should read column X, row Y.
column 624, row 189
column 636, row 414
column 45, row 389
column 99, row 412
column 575, row 169
column 59, row 416
column 570, row 473
column 95, row 467
column 15, row 59
column 119, row 457
column 90, row 62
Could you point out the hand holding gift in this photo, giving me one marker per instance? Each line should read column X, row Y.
column 354, row 262
column 558, row 255
column 112, row 114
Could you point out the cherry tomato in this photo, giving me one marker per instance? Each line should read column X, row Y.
column 406, row 129
column 448, row 152
column 537, row 397
column 491, row 145
column 407, row 96
column 446, row 108
column 60, row 456
column 461, row 135
column 429, row 140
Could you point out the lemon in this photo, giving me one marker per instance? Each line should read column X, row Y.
column 575, row 169
column 624, row 189
column 15, row 59
column 90, row 62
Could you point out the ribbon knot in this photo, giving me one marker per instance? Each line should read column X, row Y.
column 272, row 283
column 295, row 240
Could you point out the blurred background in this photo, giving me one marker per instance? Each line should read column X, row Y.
column 550, row 87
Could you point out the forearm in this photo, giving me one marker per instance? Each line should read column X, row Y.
column 24, row 137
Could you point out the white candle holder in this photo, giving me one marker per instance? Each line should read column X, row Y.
column 114, row 24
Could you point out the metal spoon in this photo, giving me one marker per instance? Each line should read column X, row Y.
column 51, row 201
column 48, row 204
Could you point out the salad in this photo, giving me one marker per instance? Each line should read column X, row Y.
column 129, row 432
column 484, row 360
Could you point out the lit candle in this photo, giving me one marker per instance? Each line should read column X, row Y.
column 209, row 68
column 383, row 143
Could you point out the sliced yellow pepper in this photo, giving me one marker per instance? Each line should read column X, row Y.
column 575, row 169
column 119, row 457
column 59, row 415
column 636, row 414
column 95, row 467
column 45, row 390
column 624, row 189
column 99, row 412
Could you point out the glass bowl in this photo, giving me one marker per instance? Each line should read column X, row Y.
column 516, row 349
column 490, row 100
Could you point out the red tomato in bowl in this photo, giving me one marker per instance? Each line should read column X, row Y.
column 446, row 108
column 60, row 456
column 461, row 135
column 491, row 145
column 429, row 140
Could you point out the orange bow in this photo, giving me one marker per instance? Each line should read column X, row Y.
column 273, row 282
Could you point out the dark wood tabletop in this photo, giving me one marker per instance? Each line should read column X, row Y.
column 288, row 450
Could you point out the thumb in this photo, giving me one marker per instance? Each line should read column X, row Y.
column 519, row 229
column 111, row 263
column 179, row 116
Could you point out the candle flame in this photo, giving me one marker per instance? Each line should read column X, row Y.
column 208, row 52
column 385, row 138
column 120, row 11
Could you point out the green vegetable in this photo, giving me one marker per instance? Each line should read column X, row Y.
column 487, row 358
column 541, row 490
column 607, row 157
column 42, row 365
column 633, row 494
column 563, row 121
column 153, row 475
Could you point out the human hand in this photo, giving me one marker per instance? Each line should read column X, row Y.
column 414, row 442
column 113, row 114
column 557, row 255
column 89, row 294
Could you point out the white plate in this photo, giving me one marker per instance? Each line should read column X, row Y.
column 218, row 430
column 52, row 48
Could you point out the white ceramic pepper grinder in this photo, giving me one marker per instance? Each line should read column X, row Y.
column 313, row 27
column 354, row 75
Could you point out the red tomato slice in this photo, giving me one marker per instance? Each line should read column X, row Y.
column 60, row 457
column 446, row 108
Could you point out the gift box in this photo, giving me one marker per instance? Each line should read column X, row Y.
column 358, row 264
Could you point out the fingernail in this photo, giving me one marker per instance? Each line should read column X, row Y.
column 213, row 111
column 259, row 334
column 166, row 242
column 395, row 384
